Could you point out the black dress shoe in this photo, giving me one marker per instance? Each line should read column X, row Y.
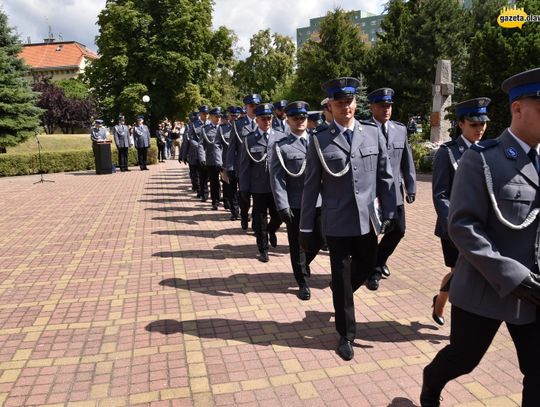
column 127, row 170
column 244, row 224
column 324, row 247
column 373, row 282
column 214, row 207
column 273, row 239
column 304, row 293
column 345, row 349
column 204, row 199
column 439, row 320
column 385, row 271
column 226, row 205
column 429, row 398
column 263, row 256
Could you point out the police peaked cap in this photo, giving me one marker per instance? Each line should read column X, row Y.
column 524, row 84
column 281, row 104
column 341, row 88
column 381, row 95
column 204, row 109
column 254, row 98
column 299, row 108
column 264, row 109
column 314, row 116
column 474, row 110
column 216, row 111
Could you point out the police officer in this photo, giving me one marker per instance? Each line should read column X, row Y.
column 348, row 165
column 240, row 129
column 287, row 181
column 401, row 160
column 254, row 178
column 192, row 152
column 314, row 120
column 230, row 196
column 493, row 221
column 210, row 154
column 279, row 122
column 141, row 137
column 183, row 154
column 98, row 134
column 121, row 139
column 472, row 119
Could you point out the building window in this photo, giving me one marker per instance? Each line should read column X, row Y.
column 363, row 24
column 373, row 22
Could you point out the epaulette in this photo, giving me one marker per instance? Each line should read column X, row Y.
column 283, row 139
column 484, row 145
column 449, row 143
column 368, row 123
column 398, row 123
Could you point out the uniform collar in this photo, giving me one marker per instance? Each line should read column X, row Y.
column 522, row 144
column 342, row 129
column 379, row 124
column 467, row 142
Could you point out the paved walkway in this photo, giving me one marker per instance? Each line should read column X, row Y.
column 123, row 289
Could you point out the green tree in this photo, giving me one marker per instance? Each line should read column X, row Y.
column 496, row 53
column 269, row 65
column 74, row 88
column 154, row 47
column 19, row 116
column 339, row 52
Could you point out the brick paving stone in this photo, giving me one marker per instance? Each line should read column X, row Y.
column 123, row 289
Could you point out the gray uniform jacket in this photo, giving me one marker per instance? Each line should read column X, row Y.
column 252, row 176
column 287, row 189
column 347, row 201
column 493, row 258
column 442, row 180
column 401, row 160
column 209, row 149
column 141, row 136
column 98, row 134
column 121, row 136
column 240, row 129
column 278, row 124
column 191, row 153
column 224, row 140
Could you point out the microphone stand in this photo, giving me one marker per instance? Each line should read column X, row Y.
column 42, row 180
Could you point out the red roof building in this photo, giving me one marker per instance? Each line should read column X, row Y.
column 57, row 60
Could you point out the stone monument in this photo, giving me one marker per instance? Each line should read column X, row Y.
column 443, row 89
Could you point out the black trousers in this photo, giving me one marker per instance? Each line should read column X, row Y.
column 213, row 177
column 230, row 195
column 202, row 170
column 142, row 153
column 300, row 259
column 194, row 177
column 123, row 157
column 390, row 240
column 161, row 151
column 470, row 337
column 244, row 207
column 263, row 204
column 351, row 261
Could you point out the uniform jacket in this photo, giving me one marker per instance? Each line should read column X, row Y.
column 255, row 177
column 401, row 160
column 121, row 136
column 224, row 140
column 209, row 149
column 240, row 129
column 493, row 258
column 191, row 152
column 141, row 136
column 442, row 180
column 279, row 125
column 347, row 201
column 98, row 134
column 288, row 190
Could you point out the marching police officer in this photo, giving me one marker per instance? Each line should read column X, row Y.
column 240, row 129
column 183, row 153
column 472, row 119
column 191, row 153
column 230, row 189
column 210, row 154
column 279, row 122
column 328, row 118
column 314, row 121
column 401, row 160
column 141, row 137
column 287, row 181
column 121, row 139
column 254, row 178
column 493, row 221
column 348, row 165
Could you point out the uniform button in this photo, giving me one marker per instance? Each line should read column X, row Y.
column 352, row 155
column 355, row 168
column 356, row 192
column 355, row 180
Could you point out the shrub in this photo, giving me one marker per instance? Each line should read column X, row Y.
column 421, row 150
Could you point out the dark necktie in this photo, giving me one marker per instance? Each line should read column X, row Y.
column 265, row 135
column 348, row 135
column 303, row 141
column 533, row 155
column 384, row 131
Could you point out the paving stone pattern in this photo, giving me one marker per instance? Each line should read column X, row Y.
column 124, row 290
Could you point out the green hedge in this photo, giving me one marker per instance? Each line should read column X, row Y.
column 61, row 161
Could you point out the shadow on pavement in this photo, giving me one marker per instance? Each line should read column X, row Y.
column 402, row 402
column 201, row 233
column 223, row 251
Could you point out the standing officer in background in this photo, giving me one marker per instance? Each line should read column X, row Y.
column 287, row 181
column 314, row 121
column 401, row 160
column 472, row 116
column 240, row 129
column 183, row 154
column 279, row 122
column 493, row 221
column 98, row 132
column 349, row 166
column 121, row 139
column 141, row 137
column 328, row 118
column 210, row 154
column 254, row 178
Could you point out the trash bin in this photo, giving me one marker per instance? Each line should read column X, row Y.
column 102, row 157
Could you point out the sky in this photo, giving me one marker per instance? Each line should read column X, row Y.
column 75, row 20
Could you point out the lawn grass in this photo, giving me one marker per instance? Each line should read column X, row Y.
column 53, row 142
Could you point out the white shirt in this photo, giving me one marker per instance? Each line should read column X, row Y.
column 379, row 124
column 522, row 144
column 342, row 129
column 467, row 142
